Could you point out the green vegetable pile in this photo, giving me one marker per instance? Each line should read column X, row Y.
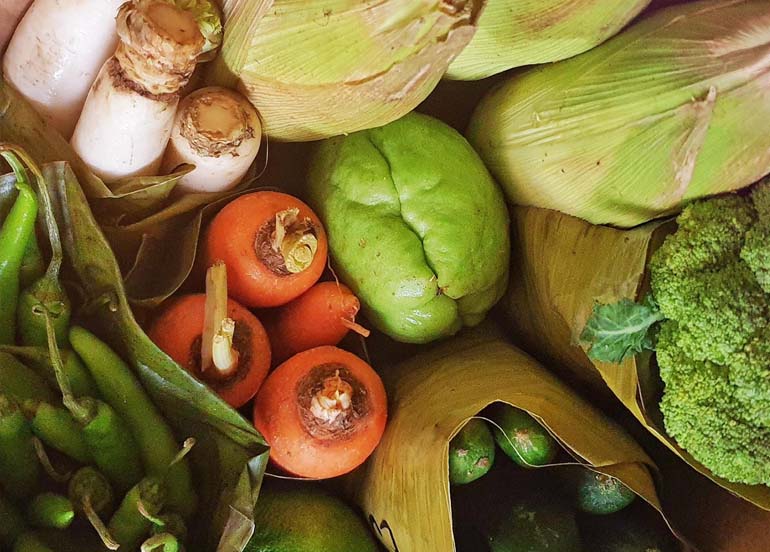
column 129, row 471
column 708, row 320
column 500, row 507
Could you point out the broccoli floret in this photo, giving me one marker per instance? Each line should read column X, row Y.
column 749, row 373
column 711, row 280
column 701, row 414
column 724, row 309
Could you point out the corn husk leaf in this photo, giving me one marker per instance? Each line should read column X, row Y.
column 565, row 266
column 316, row 69
column 404, row 486
column 230, row 456
column 670, row 110
column 513, row 33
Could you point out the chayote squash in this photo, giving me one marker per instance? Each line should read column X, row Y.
column 417, row 227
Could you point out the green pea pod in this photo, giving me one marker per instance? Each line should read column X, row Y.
column 32, row 265
column 130, row 524
column 30, row 542
column 110, row 443
column 163, row 542
column 91, row 495
column 22, row 383
column 15, row 233
column 125, row 394
column 39, row 359
column 170, row 522
column 89, row 485
column 106, row 435
column 19, row 466
column 46, row 296
column 56, row 427
column 51, row 510
column 11, row 523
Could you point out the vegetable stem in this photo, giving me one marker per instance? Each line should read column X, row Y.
column 334, row 399
column 45, row 462
column 98, row 524
column 218, row 329
column 295, row 240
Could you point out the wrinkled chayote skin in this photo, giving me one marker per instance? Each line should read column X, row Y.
column 417, row 227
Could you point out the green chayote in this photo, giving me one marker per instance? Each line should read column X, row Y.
column 417, row 227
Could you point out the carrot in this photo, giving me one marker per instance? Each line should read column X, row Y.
column 322, row 412
column 273, row 244
column 323, row 315
column 215, row 339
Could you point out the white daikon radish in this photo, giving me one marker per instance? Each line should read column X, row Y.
column 218, row 131
column 11, row 12
column 56, row 52
column 127, row 118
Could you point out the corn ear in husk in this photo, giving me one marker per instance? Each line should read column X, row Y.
column 512, row 33
column 672, row 109
column 315, row 69
column 565, row 266
column 404, row 486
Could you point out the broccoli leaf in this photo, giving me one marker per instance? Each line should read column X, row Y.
column 620, row 330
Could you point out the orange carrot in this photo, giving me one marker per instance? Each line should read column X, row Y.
column 237, row 358
column 273, row 244
column 323, row 315
column 322, row 412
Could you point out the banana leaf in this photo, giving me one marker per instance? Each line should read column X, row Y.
column 143, row 218
column 565, row 265
column 230, row 456
column 404, row 486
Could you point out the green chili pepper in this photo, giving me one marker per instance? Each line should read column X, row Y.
column 19, row 466
column 46, row 295
column 131, row 523
column 30, row 542
column 124, row 393
column 106, row 435
column 21, row 383
column 56, row 427
column 165, row 542
column 79, row 377
column 139, row 510
column 51, row 510
column 11, row 523
column 15, row 233
column 91, row 495
column 32, row 265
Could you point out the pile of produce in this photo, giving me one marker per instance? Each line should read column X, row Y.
column 707, row 318
column 213, row 338
column 81, row 442
column 499, row 507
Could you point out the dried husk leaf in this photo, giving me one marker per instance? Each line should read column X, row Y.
column 404, row 486
column 315, row 69
column 566, row 265
column 513, row 33
column 670, row 110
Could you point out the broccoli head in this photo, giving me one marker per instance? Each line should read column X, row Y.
column 710, row 307
column 702, row 414
column 711, row 281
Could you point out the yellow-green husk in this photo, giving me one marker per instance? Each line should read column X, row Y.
column 670, row 110
column 315, row 69
column 513, row 33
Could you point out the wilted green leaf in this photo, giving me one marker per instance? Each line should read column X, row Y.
column 620, row 330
